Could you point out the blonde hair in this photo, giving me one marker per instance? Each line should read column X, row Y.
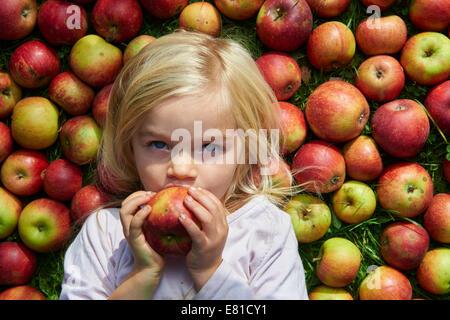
column 179, row 64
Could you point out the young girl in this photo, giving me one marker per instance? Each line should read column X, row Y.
column 188, row 82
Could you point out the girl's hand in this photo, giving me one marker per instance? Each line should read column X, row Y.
column 208, row 242
column 132, row 218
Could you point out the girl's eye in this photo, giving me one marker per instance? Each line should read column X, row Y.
column 209, row 147
column 158, row 145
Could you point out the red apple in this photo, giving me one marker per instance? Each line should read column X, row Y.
column 281, row 72
column 405, row 188
column 383, row 35
column 100, row 105
column 17, row 263
column 339, row 261
column 95, row 61
column 238, row 10
column 426, row 58
column 391, row 133
column 323, row 292
column 278, row 170
column 310, row 217
column 337, row 111
column 433, row 272
column 437, row 218
column 293, row 127
column 85, row 1
column 35, row 123
column 22, row 293
column 62, row 179
column 44, row 225
column 164, row 9
column 320, row 166
column 328, row 8
column 162, row 229
column 10, row 93
column 61, row 22
column 10, row 208
column 331, row 46
column 117, row 20
column 278, row 24
column 80, row 139
column 362, row 159
column 380, row 78
column 382, row 4
column 437, row 103
column 404, row 244
column 385, row 283
column 202, row 17
column 430, row 15
column 71, row 94
column 85, row 201
column 6, row 141
column 17, row 18
column 34, row 64
column 21, row 172
column 135, row 46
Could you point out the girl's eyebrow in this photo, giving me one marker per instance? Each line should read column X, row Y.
column 149, row 132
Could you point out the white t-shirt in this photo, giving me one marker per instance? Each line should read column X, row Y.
column 260, row 260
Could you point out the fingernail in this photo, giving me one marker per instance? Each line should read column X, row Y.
column 149, row 193
column 182, row 216
column 192, row 188
column 188, row 198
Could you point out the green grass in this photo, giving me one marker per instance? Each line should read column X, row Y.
column 365, row 235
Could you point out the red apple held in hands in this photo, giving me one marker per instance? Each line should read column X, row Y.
column 339, row 261
column 202, row 17
column 10, row 94
column 437, row 218
column 80, row 139
column 331, row 46
column 281, row 72
column 24, row 292
column 61, row 22
column 382, row 4
column 380, row 78
column 320, row 166
column 21, row 172
column 17, row 18
column 239, row 10
column 100, row 105
column 337, row 111
column 383, row 35
column 95, row 61
column 404, row 244
column 164, row 9
column 430, row 15
column 6, row 141
column 426, row 58
column 328, row 9
column 135, row 46
column 117, row 20
column 310, row 217
column 17, row 263
column 437, row 103
column 362, row 159
column 85, row 201
column 34, row 123
column 162, row 229
column 433, row 272
column 323, row 292
column 391, row 133
column 44, row 225
column 284, row 25
column 34, row 64
column 385, row 283
column 10, row 208
column 293, row 127
column 405, row 188
column 62, row 179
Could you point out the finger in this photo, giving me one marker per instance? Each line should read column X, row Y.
column 205, row 198
column 134, row 195
column 206, row 218
column 137, row 222
column 197, row 236
column 128, row 210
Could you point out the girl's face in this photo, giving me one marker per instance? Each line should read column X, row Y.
column 163, row 159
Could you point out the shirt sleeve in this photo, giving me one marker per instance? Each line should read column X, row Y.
column 88, row 262
column 279, row 273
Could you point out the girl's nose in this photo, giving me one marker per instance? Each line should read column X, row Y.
column 182, row 168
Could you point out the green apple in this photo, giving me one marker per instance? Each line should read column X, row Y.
column 135, row 46
column 10, row 208
column 310, row 216
column 354, row 202
column 433, row 273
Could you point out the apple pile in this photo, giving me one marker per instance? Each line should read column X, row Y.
column 364, row 105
